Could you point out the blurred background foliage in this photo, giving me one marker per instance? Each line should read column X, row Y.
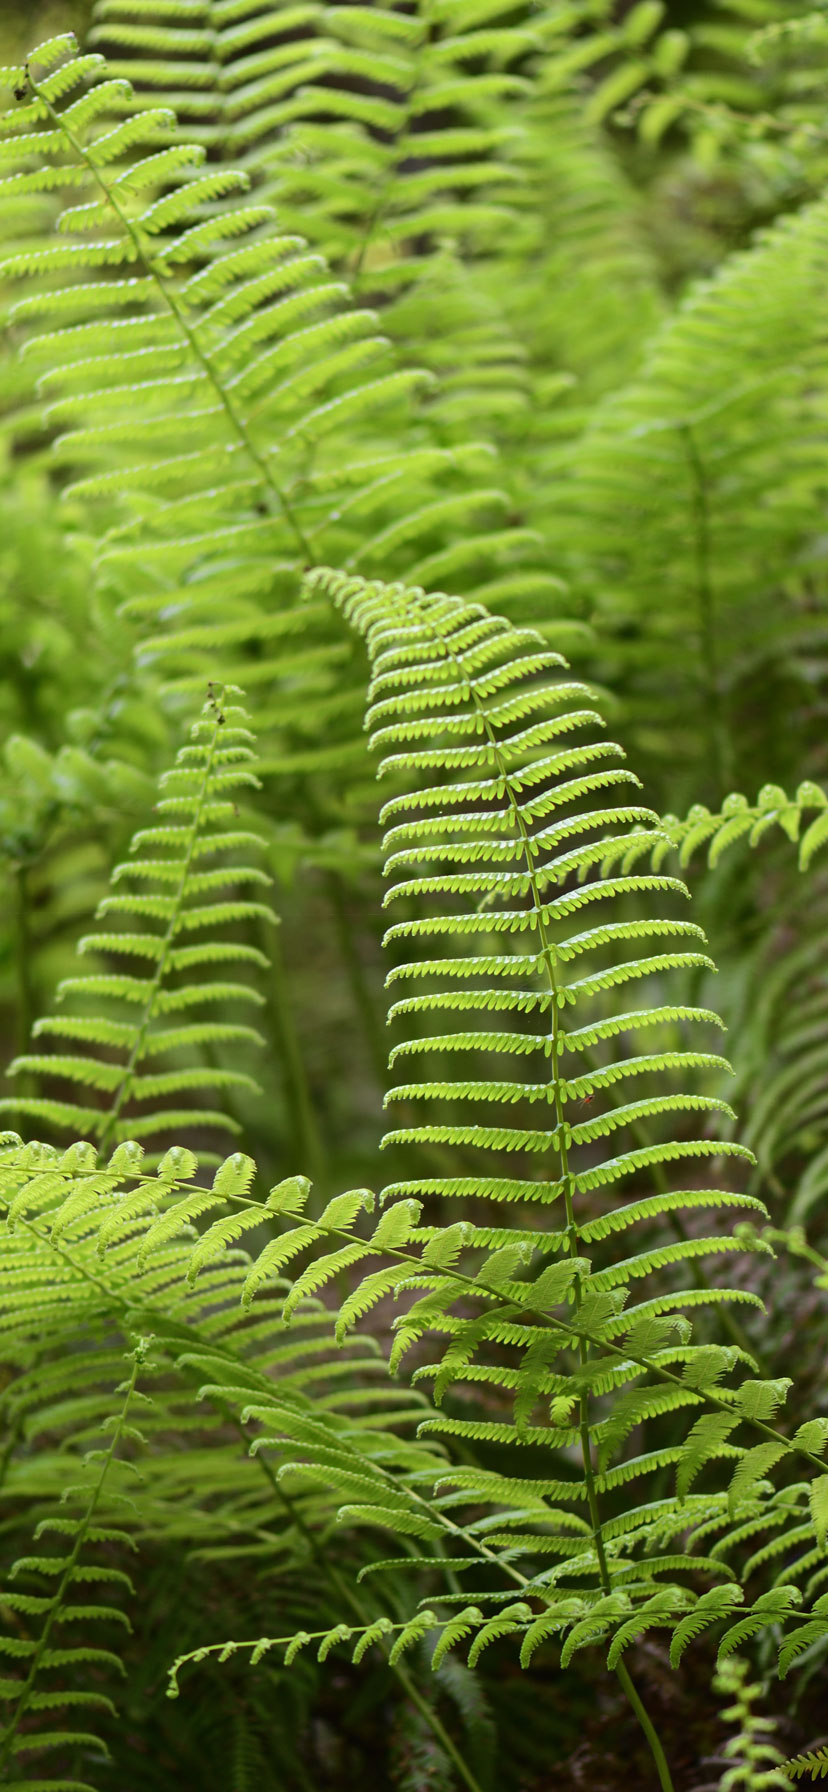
column 22, row 26
column 646, row 352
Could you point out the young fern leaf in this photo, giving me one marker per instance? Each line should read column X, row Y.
column 193, row 862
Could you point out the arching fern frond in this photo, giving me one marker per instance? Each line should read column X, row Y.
column 76, row 1279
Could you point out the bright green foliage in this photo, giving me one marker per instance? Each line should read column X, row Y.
column 315, row 314
column 455, row 686
column 737, row 820
column 784, row 1077
column 185, row 314
column 88, row 1251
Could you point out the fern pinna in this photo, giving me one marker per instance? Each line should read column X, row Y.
column 172, row 908
column 540, row 1315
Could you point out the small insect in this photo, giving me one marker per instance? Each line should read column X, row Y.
column 584, row 1101
column 21, row 90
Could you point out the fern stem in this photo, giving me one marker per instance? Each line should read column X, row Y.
column 124, row 1300
column 468, row 1285
column 647, row 1726
column 236, row 421
column 436, row 1724
column 71, row 1562
column 328, row 1569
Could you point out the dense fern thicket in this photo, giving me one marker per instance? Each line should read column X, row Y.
column 413, row 845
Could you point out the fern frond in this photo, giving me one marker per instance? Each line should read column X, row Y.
column 813, row 1765
column 433, row 644
column 139, row 1098
column 26, row 1695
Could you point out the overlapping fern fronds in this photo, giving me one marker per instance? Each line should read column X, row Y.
column 347, row 109
column 91, row 1254
column 227, row 68
column 457, row 690
column 421, row 153
column 122, row 1243
column 225, row 395
column 174, row 307
column 171, row 904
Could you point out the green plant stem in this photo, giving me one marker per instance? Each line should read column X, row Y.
column 331, row 1573
column 352, row 1599
column 648, row 1727
column 475, row 1286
